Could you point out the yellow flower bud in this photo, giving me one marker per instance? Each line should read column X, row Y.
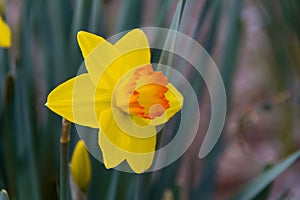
column 80, row 167
column 5, row 34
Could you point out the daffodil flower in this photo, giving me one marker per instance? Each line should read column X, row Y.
column 5, row 35
column 121, row 95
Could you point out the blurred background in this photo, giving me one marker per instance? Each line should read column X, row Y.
column 254, row 43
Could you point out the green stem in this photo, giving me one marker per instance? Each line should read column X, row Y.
column 64, row 146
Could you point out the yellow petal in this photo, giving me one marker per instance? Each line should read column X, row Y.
column 130, row 127
column 80, row 166
column 103, row 65
column 139, row 163
column 117, row 145
column 99, row 55
column 135, row 50
column 107, row 63
column 5, row 34
column 75, row 100
column 123, row 140
column 87, row 42
column 112, row 156
column 175, row 99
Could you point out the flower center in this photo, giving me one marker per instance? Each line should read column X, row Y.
column 142, row 93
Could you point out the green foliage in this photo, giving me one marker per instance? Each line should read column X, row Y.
column 256, row 186
column 45, row 53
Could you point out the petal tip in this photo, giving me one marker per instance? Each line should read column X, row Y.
column 88, row 41
column 80, row 34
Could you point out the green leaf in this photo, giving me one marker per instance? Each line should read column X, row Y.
column 162, row 8
column 266, row 191
column 165, row 178
column 96, row 17
column 9, row 134
column 252, row 189
column 231, row 46
column 3, row 195
column 210, row 38
column 113, row 187
column 203, row 16
column 206, row 187
column 284, row 195
column 130, row 15
column 78, row 23
column 170, row 41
